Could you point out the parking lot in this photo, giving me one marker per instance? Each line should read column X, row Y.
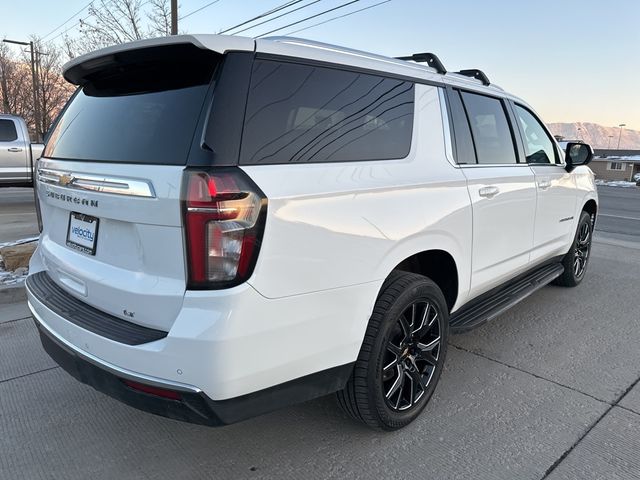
column 548, row 390
column 17, row 214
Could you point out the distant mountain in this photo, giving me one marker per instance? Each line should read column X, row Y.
column 596, row 135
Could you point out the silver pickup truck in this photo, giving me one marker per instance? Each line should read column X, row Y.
column 17, row 153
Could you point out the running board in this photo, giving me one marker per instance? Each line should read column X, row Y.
column 490, row 305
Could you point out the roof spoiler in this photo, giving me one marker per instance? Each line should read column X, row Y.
column 80, row 69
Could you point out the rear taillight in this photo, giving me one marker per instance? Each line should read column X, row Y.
column 224, row 219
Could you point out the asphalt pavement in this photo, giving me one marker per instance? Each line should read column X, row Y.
column 619, row 215
column 17, row 214
column 549, row 390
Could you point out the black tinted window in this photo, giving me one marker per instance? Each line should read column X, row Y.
column 465, row 153
column 538, row 146
column 299, row 113
column 8, row 131
column 490, row 129
column 144, row 113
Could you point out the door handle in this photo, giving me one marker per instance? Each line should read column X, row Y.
column 489, row 192
column 544, row 184
column 14, row 149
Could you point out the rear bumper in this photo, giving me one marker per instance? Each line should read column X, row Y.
column 231, row 354
column 230, row 343
column 191, row 404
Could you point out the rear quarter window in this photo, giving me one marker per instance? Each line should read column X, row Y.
column 308, row 114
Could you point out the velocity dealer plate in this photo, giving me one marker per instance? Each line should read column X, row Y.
column 82, row 234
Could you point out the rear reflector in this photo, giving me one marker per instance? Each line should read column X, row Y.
column 158, row 392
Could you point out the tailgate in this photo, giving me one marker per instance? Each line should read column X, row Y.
column 109, row 180
column 120, row 249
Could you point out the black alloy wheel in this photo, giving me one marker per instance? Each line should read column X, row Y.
column 577, row 258
column 582, row 249
column 402, row 355
column 412, row 355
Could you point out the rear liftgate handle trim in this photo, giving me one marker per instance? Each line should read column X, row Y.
column 97, row 183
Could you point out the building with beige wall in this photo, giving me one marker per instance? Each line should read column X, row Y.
column 615, row 168
column 616, row 165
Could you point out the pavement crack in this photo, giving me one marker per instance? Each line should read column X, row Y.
column 593, row 425
column 630, row 410
column 530, row 373
column 27, row 374
column 15, row 320
column 555, row 464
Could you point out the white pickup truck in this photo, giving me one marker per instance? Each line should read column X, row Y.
column 17, row 153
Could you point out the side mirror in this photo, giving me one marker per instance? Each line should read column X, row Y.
column 577, row 154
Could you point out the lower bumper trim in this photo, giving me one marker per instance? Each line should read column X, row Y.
column 192, row 406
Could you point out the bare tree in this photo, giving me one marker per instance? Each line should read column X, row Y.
column 5, row 67
column 53, row 90
column 114, row 21
column 15, row 85
column 16, row 88
column 111, row 22
column 159, row 18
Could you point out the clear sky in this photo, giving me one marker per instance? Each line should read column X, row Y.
column 573, row 60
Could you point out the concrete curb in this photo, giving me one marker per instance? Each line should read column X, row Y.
column 13, row 294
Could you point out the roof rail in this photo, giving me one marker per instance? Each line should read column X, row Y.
column 430, row 58
column 477, row 74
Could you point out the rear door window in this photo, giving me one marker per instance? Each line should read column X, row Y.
column 307, row 114
column 490, row 128
column 8, row 131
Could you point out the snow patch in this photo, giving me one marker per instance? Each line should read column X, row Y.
column 615, row 183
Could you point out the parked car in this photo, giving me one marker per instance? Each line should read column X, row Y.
column 233, row 225
column 17, row 153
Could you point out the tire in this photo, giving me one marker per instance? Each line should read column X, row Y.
column 577, row 258
column 404, row 348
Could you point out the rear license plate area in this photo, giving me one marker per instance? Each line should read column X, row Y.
column 82, row 233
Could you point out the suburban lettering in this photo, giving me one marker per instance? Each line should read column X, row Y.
column 72, row 199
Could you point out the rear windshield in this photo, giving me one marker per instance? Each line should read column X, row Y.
column 146, row 112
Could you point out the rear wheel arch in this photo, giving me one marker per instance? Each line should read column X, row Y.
column 439, row 266
column 591, row 207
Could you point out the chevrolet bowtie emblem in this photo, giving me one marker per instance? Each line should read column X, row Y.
column 65, row 180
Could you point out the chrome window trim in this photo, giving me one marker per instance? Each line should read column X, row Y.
column 448, row 140
column 485, row 165
column 96, row 183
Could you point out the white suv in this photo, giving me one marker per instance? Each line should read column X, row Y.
column 234, row 225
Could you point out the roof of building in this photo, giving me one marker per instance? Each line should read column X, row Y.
column 610, row 152
column 626, row 159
